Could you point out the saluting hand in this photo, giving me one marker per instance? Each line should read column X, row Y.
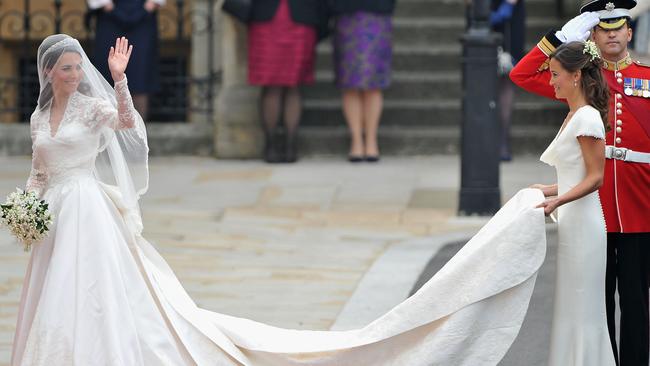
column 118, row 58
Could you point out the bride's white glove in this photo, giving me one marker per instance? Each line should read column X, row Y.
column 578, row 28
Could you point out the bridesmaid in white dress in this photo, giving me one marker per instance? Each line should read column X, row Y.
column 579, row 334
column 97, row 293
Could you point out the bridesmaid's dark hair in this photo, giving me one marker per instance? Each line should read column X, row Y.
column 572, row 57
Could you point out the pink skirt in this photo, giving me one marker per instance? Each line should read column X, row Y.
column 281, row 52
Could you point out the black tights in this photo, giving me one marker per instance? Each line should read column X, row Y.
column 278, row 99
column 285, row 102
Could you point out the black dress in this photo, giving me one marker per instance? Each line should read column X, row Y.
column 130, row 19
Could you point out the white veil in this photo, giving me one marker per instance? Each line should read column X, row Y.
column 122, row 155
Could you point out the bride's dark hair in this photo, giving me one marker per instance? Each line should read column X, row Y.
column 49, row 60
column 572, row 57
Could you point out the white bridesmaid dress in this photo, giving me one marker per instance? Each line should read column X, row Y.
column 579, row 335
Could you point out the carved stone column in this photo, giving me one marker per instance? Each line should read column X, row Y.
column 238, row 132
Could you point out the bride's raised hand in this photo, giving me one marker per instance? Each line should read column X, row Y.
column 118, row 58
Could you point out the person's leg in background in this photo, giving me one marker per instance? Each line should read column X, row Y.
column 506, row 103
column 141, row 104
column 271, row 108
column 353, row 112
column 292, row 115
column 373, row 103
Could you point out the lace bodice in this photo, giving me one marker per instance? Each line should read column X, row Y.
column 72, row 149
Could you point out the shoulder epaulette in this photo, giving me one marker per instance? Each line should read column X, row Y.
column 641, row 63
column 549, row 43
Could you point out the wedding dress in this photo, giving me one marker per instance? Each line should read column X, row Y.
column 97, row 293
column 579, row 335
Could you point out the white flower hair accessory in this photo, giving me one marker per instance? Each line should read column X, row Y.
column 591, row 49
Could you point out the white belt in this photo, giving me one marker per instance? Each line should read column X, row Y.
column 621, row 153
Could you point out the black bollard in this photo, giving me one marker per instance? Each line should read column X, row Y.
column 480, row 131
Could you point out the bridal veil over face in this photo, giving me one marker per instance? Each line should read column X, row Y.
column 122, row 163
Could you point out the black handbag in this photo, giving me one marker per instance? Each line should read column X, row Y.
column 240, row 9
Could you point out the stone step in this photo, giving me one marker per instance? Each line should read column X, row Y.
column 183, row 139
column 412, row 57
column 434, row 113
column 395, row 141
column 406, row 57
column 178, row 138
column 447, row 30
column 419, row 8
column 406, row 85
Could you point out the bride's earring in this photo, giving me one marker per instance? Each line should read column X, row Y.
column 575, row 83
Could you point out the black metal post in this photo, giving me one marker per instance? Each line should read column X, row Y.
column 479, row 193
column 57, row 16
column 211, row 76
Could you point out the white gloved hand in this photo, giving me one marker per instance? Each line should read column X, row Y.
column 578, row 28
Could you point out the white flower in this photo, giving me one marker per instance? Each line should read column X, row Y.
column 27, row 217
column 591, row 49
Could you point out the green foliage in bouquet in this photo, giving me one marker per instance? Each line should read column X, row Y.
column 27, row 217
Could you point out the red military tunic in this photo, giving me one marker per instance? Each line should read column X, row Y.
column 625, row 193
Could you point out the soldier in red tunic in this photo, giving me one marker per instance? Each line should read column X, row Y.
column 625, row 193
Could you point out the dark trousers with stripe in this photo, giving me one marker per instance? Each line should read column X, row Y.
column 628, row 269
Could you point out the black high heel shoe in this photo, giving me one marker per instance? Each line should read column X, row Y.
column 270, row 149
column 355, row 158
column 290, row 153
column 372, row 158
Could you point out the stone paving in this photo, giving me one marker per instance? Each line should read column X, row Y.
column 287, row 245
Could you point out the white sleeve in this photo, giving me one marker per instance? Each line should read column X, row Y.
column 124, row 116
column 37, row 176
column 160, row 2
column 96, row 4
column 590, row 124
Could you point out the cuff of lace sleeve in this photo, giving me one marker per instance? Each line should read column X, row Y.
column 121, row 82
column 549, row 43
column 37, row 190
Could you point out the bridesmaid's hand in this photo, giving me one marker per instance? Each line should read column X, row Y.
column 549, row 205
column 118, row 58
column 547, row 190
column 108, row 7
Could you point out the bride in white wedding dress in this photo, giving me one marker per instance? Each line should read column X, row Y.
column 97, row 293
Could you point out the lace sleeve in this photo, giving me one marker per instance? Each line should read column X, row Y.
column 37, row 177
column 125, row 115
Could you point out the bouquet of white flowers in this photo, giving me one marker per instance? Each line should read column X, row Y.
column 26, row 216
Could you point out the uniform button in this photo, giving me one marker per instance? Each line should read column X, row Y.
column 619, row 122
column 619, row 96
column 619, row 112
column 619, row 75
column 619, row 80
column 619, row 105
column 618, row 140
column 619, row 130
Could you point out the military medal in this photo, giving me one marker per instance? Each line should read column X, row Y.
column 638, row 87
column 627, row 86
column 646, row 88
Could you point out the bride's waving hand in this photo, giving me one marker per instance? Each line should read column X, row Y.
column 118, row 58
